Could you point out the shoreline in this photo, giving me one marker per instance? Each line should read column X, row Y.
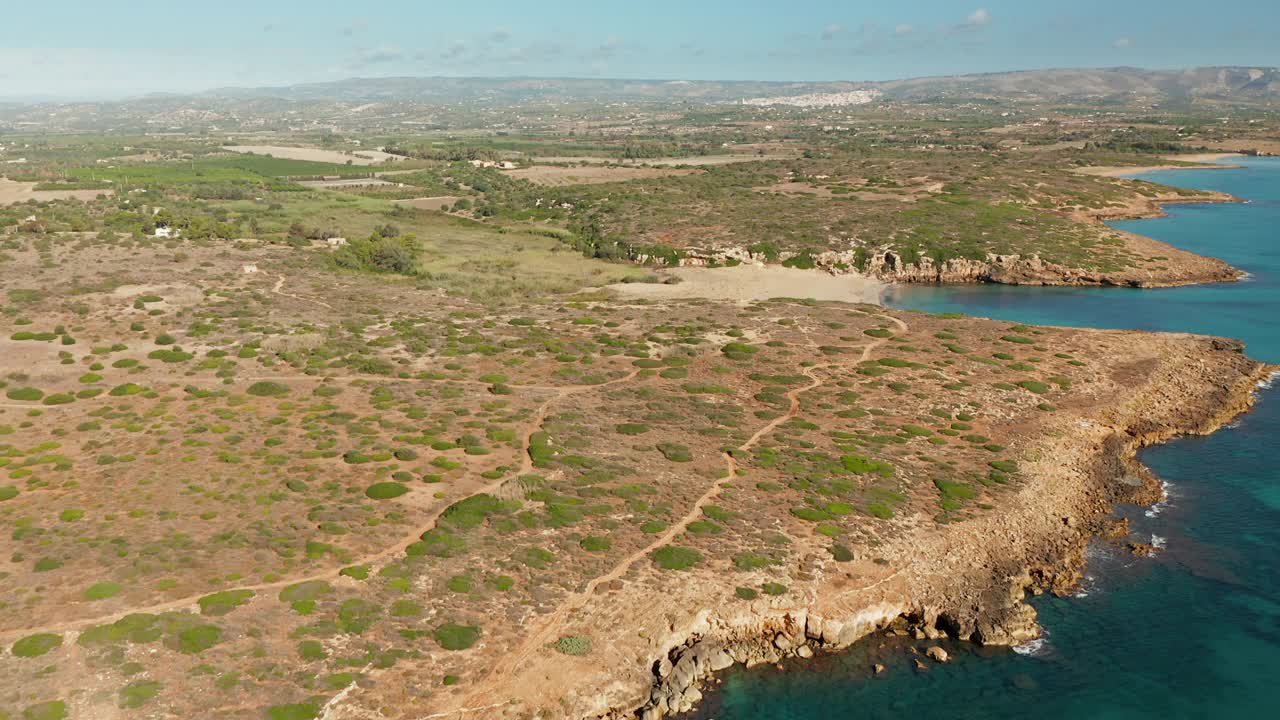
column 1196, row 161
column 1049, row 563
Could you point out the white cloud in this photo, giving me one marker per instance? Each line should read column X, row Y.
column 1122, row 43
column 978, row 18
column 904, row 29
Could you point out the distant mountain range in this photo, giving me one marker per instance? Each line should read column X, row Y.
column 1210, row 83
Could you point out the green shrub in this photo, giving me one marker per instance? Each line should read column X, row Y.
column 52, row 710
column 139, row 693
column 671, row 557
column 221, row 603
column 632, row 429
column 8, row 492
column 296, row 711
column 746, row 593
column 452, row 636
column 59, row 399
column 102, row 590
column 773, row 588
column 595, row 544
column 863, row 465
column 1007, row 466
column 311, row 650
column 36, row 645
column 386, row 490
column 25, row 394
column 751, row 561
column 1034, row 386
column 266, row 388
column 575, row 645
column 675, row 452
column 195, row 640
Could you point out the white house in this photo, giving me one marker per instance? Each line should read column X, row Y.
column 166, row 232
column 336, row 242
column 250, row 268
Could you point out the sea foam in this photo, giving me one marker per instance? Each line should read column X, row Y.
column 1166, row 497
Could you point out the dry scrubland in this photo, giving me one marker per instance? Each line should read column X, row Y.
column 297, row 493
column 475, row 461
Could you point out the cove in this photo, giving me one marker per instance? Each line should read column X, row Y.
column 1193, row 632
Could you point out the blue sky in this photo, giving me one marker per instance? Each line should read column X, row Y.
column 93, row 48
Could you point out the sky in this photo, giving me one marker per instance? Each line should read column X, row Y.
column 96, row 49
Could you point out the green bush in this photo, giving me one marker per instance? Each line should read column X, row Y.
column 746, row 593
column 139, row 693
column 575, row 645
column 296, row 711
column 36, row 645
column 195, row 640
column 102, row 590
column 221, row 603
column 1034, row 386
column 675, row 452
column 671, row 557
column 267, row 389
column 595, row 544
column 773, row 588
column 53, row 710
column 751, row 561
column 632, row 429
column 452, row 636
column 311, row 650
column 386, row 490
column 126, row 389
column 25, row 394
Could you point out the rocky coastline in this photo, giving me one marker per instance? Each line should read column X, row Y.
column 1180, row 268
column 985, row 602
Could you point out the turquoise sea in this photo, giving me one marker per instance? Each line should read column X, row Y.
column 1193, row 632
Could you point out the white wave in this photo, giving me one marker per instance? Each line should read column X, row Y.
column 1086, row 587
column 1270, row 381
column 1158, row 542
column 1034, row 648
column 1166, row 497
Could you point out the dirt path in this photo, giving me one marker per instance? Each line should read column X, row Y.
column 517, row 658
column 278, row 289
column 375, row 561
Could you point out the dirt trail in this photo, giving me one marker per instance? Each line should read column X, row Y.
column 375, row 561
column 278, row 289
column 516, row 659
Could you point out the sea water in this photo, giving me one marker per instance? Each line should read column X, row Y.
column 1193, row 632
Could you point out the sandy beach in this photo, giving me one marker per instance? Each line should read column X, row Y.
column 749, row 283
column 1199, row 160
